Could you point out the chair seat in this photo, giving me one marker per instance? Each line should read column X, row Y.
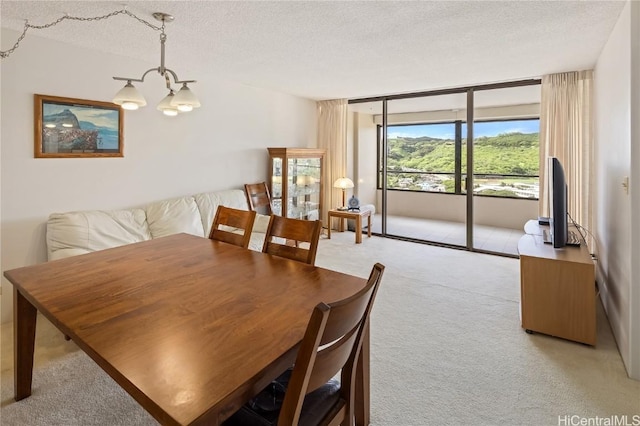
column 264, row 408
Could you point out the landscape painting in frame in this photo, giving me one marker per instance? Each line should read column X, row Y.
column 66, row 127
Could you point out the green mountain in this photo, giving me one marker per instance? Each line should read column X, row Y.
column 504, row 154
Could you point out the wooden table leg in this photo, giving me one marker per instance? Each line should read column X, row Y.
column 369, row 225
column 362, row 399
column 329, row 228
column 24, row 336
column 341, row 224
column 359, row 229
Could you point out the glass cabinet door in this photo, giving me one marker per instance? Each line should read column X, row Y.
column 296, row 182
column 276, row 186
column 303, row 188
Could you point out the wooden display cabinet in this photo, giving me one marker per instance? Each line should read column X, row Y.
column 296, row 182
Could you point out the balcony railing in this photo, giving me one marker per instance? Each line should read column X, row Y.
column 495, row 185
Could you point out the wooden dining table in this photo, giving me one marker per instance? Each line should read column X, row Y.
column 191, row 328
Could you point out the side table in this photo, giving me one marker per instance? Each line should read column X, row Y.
column 349, row 214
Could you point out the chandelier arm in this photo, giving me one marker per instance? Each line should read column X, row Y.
column 141, row 79
column 176, row 80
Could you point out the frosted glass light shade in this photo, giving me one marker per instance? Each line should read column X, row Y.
column 305, row 180
column 166, row 107
column 129, row 97
column 130, row 106
column 343, row 183
column 185, row 100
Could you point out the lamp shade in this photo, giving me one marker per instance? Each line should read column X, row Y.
column 129, row 97
column 166, row 107
column 343, row 183
column 185, row 100
column 305, row 180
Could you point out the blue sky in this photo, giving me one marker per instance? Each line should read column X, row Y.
column 97, row 116
column 446, row 131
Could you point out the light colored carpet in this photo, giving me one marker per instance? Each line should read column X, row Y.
column 446, row 349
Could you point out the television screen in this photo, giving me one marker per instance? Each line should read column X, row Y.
column 557, row 200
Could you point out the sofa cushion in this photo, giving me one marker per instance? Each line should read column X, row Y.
column 73, row 233
column 208, row 203
column 174, row 216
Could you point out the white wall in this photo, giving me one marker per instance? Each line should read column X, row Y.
column 614, row 156
column 488, row 211
column 220, row 145
column 427, row 205
column 634, row 291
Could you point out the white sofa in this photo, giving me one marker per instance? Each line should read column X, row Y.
column 79, row 232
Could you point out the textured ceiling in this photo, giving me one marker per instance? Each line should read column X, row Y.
column 340, row 49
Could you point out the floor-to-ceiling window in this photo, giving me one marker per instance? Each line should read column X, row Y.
column 423, row 145
column 422, row 157
column 506, row 153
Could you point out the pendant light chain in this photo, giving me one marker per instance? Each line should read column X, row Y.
column 27, row 26
column 129, row 97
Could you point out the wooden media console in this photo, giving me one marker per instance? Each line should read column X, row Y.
column 557, row 288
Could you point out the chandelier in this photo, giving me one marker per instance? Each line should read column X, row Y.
column 129, row 97
column 184, row 101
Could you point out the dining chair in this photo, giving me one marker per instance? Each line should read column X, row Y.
column 258, row 197
column 232, row 226
column 332, row 343
column 290, row 238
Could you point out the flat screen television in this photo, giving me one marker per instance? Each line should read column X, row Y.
column 557, row 201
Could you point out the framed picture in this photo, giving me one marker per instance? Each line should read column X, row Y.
column 67, row 128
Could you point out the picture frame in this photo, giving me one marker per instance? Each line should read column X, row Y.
column 77, row 128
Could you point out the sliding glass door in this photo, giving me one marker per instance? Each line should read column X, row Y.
column 424, row 183
column 505, row 166
column 434, row 178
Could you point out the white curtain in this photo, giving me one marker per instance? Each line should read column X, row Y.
column 332, row 136
column 566, row 132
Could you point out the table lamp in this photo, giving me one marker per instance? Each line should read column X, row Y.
column 343, row 183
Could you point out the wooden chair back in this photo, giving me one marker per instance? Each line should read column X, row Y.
column 232, row 226
column 332, row 343
column 294, row 232
column 259, row 198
